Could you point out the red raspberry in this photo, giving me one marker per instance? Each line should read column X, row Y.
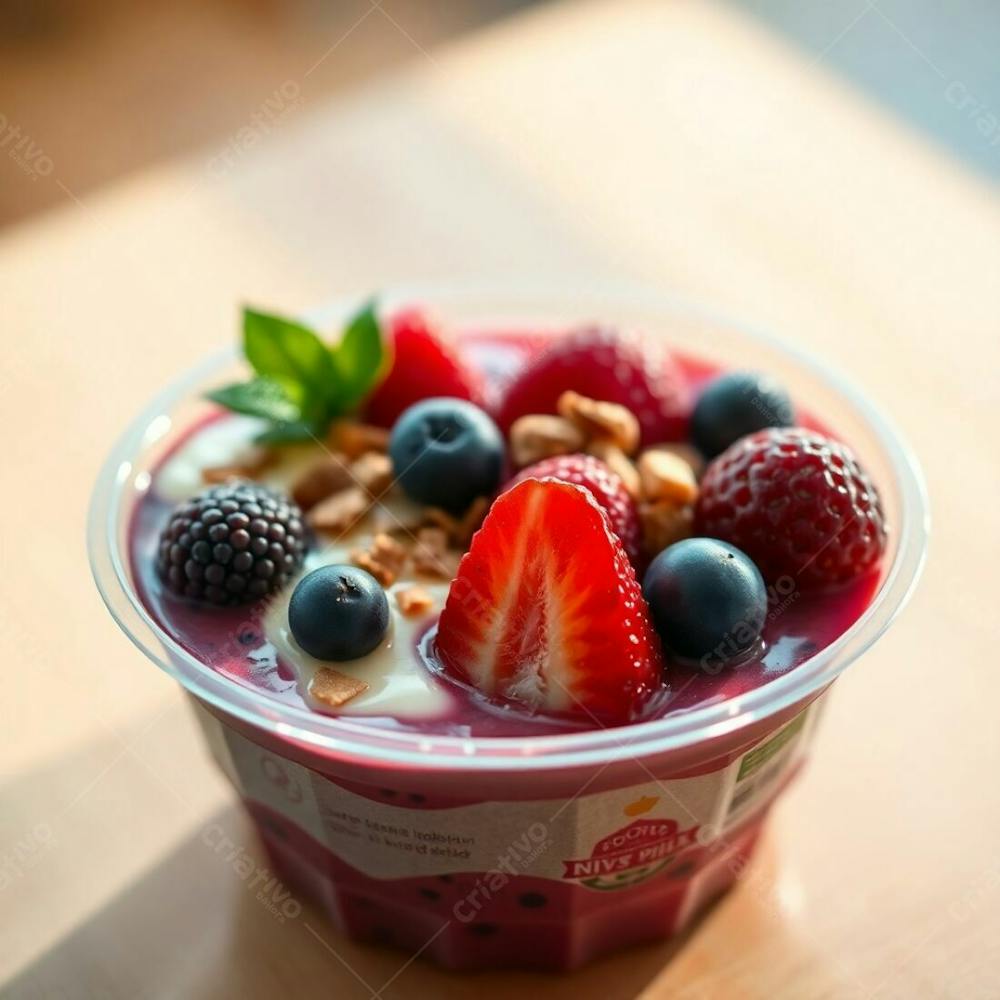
column 603, row 364
column 798, row 503
column 422, row 366
column 608, row 490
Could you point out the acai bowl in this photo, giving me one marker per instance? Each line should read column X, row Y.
column 537, row 616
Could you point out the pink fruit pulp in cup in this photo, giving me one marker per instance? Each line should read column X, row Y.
column 806, row 622
column 532, row 922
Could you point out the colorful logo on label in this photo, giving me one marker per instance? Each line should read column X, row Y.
column 632, row 854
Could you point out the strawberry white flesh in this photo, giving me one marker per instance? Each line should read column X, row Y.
column 546, row 611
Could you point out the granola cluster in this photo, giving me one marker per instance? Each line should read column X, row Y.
column 662, row 480
column 347, row 485
column 341, row 489
column 425, row 553
column 334, row 688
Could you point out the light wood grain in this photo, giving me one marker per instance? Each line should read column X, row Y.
column 676, row 143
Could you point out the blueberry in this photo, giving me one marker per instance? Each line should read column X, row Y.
column 446, row 453
column 737, row 404
column 338, row 613
column 707, row 599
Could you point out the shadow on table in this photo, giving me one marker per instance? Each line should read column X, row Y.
column 194, row 927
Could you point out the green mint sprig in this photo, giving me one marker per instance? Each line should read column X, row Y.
column 302, row 383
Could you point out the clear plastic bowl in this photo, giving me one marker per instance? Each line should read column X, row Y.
column 340, row 757
column 126, row 475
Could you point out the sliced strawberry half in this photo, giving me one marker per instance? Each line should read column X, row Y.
column 422, row 366
column 546, row 611
column 608, row 490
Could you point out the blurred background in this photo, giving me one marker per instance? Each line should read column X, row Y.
column 109, row 86
column 104, row 88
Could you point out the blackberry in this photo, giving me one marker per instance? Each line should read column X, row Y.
column 232, row 544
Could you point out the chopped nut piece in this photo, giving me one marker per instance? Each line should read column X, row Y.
column 433, row 538
column 249, row 468
column 217, row 474
column 664, row 523
column 688, row 453
column 402, row 518
column 414, row 601
column 354, row 439
column 366, row 561
column 334, row 688
column 618, row 462
column 666, row 476
column 597, row 419
column 384, row 559
column 340, row 512
column 438, row 518
column 387, row 550
column 472, row 520
column 327, row 475
column 539, row 436
column 431, row 555
column 373, row 471
column 460, row 531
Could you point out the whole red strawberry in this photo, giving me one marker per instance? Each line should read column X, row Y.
column 798, row 503
column 603, row 364
column 546, row 612
column 422, row 366
column 608, row 490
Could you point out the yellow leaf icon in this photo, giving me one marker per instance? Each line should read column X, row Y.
column 640, row 806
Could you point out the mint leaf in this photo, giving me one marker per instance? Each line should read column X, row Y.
column 283, row 349
column 287, row 433
column 358, row 358
column 302, row 384
column 260, row 397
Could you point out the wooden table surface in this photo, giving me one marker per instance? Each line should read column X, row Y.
column 674, row 143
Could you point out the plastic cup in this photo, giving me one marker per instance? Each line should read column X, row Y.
column 539, row 852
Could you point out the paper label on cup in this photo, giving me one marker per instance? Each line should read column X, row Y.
column 604, row 841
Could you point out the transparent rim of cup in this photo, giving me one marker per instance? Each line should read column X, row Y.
column 345, row 737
